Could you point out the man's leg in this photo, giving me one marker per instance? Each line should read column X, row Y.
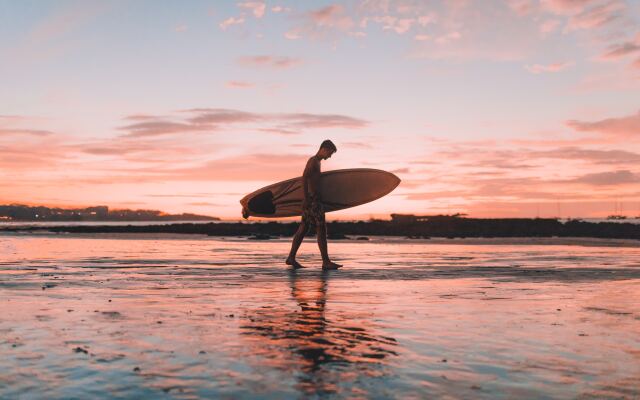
column 295, row 245
column 321, row 232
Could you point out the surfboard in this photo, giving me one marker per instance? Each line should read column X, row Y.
column 340, row 188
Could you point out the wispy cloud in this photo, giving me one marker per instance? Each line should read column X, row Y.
column 595, row 156
column 613, row 178
column 620, row 126
column 64, row 20
column 597, row 16
column 279, row 62
column 623, row 49
column 257, row 8
column 17, row 131
column 210, row 120
column 181, row 28
column 567, row 6
column 555, row 67
column 161, row 127
column 239, row 84
column 230, row 22
column 331, row 16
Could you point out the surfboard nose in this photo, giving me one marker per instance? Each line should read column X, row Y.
column 396, row 179
column 392, row 180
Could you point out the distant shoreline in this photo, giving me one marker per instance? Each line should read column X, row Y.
column 436, row 227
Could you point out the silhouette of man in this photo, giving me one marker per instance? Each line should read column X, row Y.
column 312, row 211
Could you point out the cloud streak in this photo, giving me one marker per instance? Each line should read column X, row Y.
column 556, row 67
column 257, row 8
column 211, row 120
column 621, row 126
column 266, row 61
column 231, row 21
column 613, row 178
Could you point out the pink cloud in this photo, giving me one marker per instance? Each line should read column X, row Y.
column 566, row 6
column 279, row 131
column 440, row 194
column 279, row 62
column 217, row 116
column 293, row 34
column 16, row 131
column 138, row 149
column 614, row 178
column 305, row 120
column 41, row 153
column 622, row 126
column 242, row 168
column 597, row 16
column 160, row 127
column 356, row 145
column 427, row 19
column 591, row 155
column 549, row 26
column 141, row 117
column 258, row 8
column 321, row 22
column 392, row 23
column 279, row 9
column 556, row 67
column 623, row 49
column 448, row 37
column 521, row 7
column 332, row 16
column 230, row 22
column 199, row 120
column 230, row 169
column 239, row 84
column 14, row 125
column 181, row 28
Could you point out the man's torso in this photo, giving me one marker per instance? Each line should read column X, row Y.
column 313, row 212
column 312, row 174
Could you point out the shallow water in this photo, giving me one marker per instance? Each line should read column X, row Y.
column 110, row 316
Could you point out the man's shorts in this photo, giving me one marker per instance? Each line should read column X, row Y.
column 313, row 213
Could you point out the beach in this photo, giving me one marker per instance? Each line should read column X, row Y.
column 188, row 316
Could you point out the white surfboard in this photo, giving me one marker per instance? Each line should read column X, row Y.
column 341, row 188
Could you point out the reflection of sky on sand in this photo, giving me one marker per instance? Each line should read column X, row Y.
column 225, row 319
column 322, row 352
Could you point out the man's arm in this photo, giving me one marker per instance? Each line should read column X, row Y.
column 306, row 176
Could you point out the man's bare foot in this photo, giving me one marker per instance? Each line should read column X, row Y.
column 295, row 264
column 330, row 265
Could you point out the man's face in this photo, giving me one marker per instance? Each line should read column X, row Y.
column 326, row 153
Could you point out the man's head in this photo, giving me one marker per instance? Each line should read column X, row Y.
column 327, row 148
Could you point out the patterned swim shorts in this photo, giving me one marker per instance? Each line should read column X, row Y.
column 313, row 212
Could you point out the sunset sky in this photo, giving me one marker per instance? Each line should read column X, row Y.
column 493, row 108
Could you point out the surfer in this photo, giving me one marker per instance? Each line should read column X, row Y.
column 312, row 212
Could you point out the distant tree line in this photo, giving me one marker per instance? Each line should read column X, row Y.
column 18, row 212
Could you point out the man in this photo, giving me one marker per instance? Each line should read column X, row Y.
column 312, row 212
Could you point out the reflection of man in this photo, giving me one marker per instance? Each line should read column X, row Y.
column 322, row 350
column 312, row 212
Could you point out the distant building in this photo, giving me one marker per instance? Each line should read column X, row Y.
column 410, row 218
column 99, row 211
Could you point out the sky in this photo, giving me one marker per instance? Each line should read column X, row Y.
column 494, row 108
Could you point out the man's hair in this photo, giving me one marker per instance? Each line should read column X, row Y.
column 328, row 144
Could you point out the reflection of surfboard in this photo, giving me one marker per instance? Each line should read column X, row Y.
column 341, row 188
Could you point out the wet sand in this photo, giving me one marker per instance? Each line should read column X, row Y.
column 156, row 316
